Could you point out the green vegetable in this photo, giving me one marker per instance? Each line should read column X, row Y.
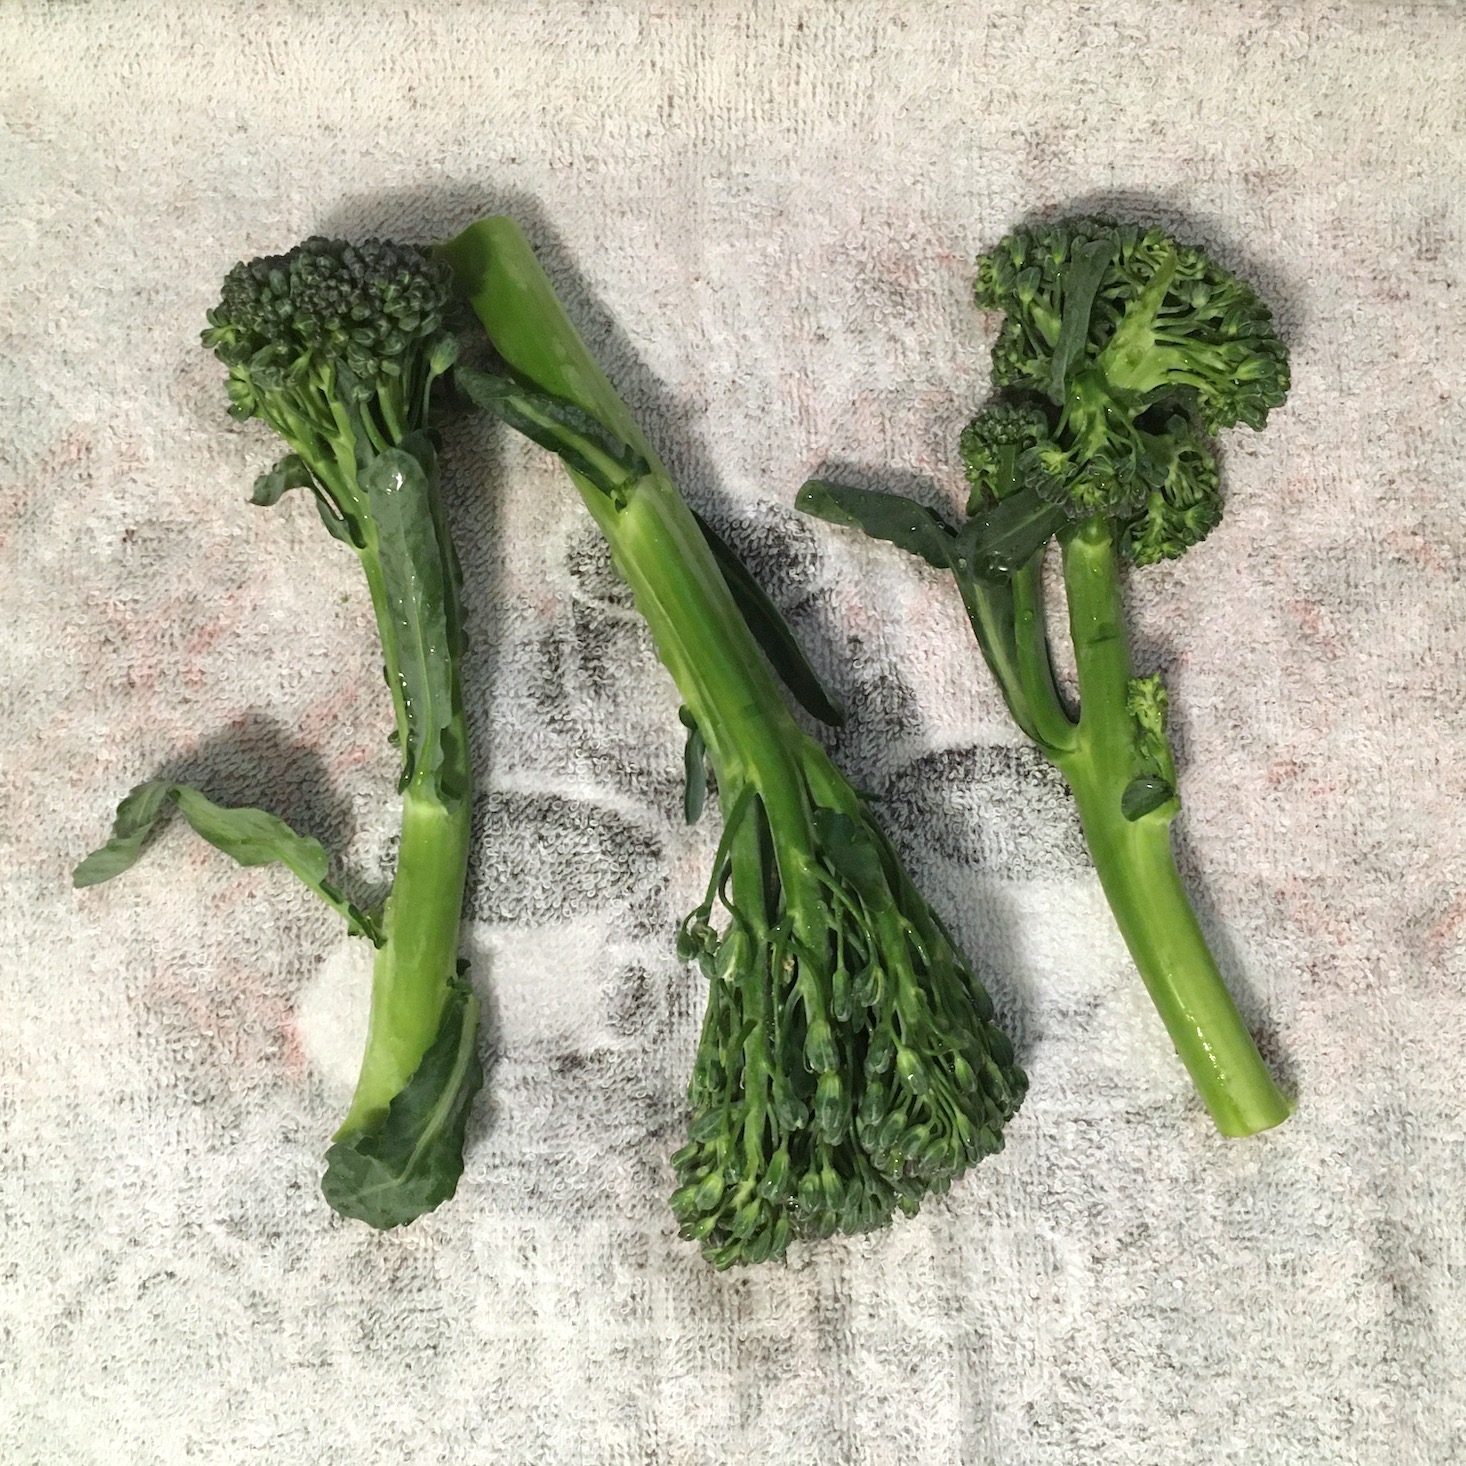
column 849, row 1063
column 1119, row 348
column 251, row 836
column 336, row 347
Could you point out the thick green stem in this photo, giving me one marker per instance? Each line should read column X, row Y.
column 1135, row 861
column 418, row 958
column 989, row 606
column 410, row 982
column 781, row 1075
column 700, row 635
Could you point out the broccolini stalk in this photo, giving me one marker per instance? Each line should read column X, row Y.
column 849, row 1062
column 1115, row 339
column 336, row 348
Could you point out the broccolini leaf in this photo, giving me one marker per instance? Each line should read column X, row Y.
column 1081, row 284
column 137, row 816
column 772, row 632
column 695, row 769
column 1001, row 539
column 336, row 526
column 251, row 836
column 399, row 493
column 289, row 473
column 855, row 855
column 583, row 444
column 905, row 523
column 412, row 1161
column 1143, row 795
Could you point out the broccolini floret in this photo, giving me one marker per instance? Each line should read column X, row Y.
column 849, row 1062
column 1118, row 347
column 1103, row 314
column 335, row 347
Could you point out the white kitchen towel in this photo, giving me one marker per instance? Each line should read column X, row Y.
column 763, row 217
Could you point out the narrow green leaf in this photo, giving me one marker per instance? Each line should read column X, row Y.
column 695, row 769
column 399, row 489
column 772, row 632
column 411, row 1163
column 254, row 837
column 250, row 836
column 905, row 523
column 583, row 444
column 289, row 473
column 1081, row 284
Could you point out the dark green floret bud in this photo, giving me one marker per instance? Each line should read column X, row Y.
column 1130, row 335
column 709, row 1193
column 775, row 1184
column 335, row 346
column 881, row 1050
column 993, row 445
column 831, row 1108
column 1159, row 319
column 364, row 306
column 912, row 1071
column 1184, row 503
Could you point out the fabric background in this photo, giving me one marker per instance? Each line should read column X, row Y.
column 763, row 216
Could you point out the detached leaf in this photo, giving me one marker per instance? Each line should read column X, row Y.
column 903, row 522
column 772, row 632
column 416, row 577
column 695, row 769
column 412, row 1162
column 250, row 836
column 583, row 444
column 289, row 473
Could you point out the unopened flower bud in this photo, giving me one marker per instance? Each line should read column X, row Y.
column 775, row 1184
column 820, row 1052
column 912, row 1071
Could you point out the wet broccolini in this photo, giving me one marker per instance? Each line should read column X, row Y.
column 849, row 1063
column 1119, row 349
column 336, row 348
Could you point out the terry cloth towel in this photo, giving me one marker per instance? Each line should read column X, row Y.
column 763, row 217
